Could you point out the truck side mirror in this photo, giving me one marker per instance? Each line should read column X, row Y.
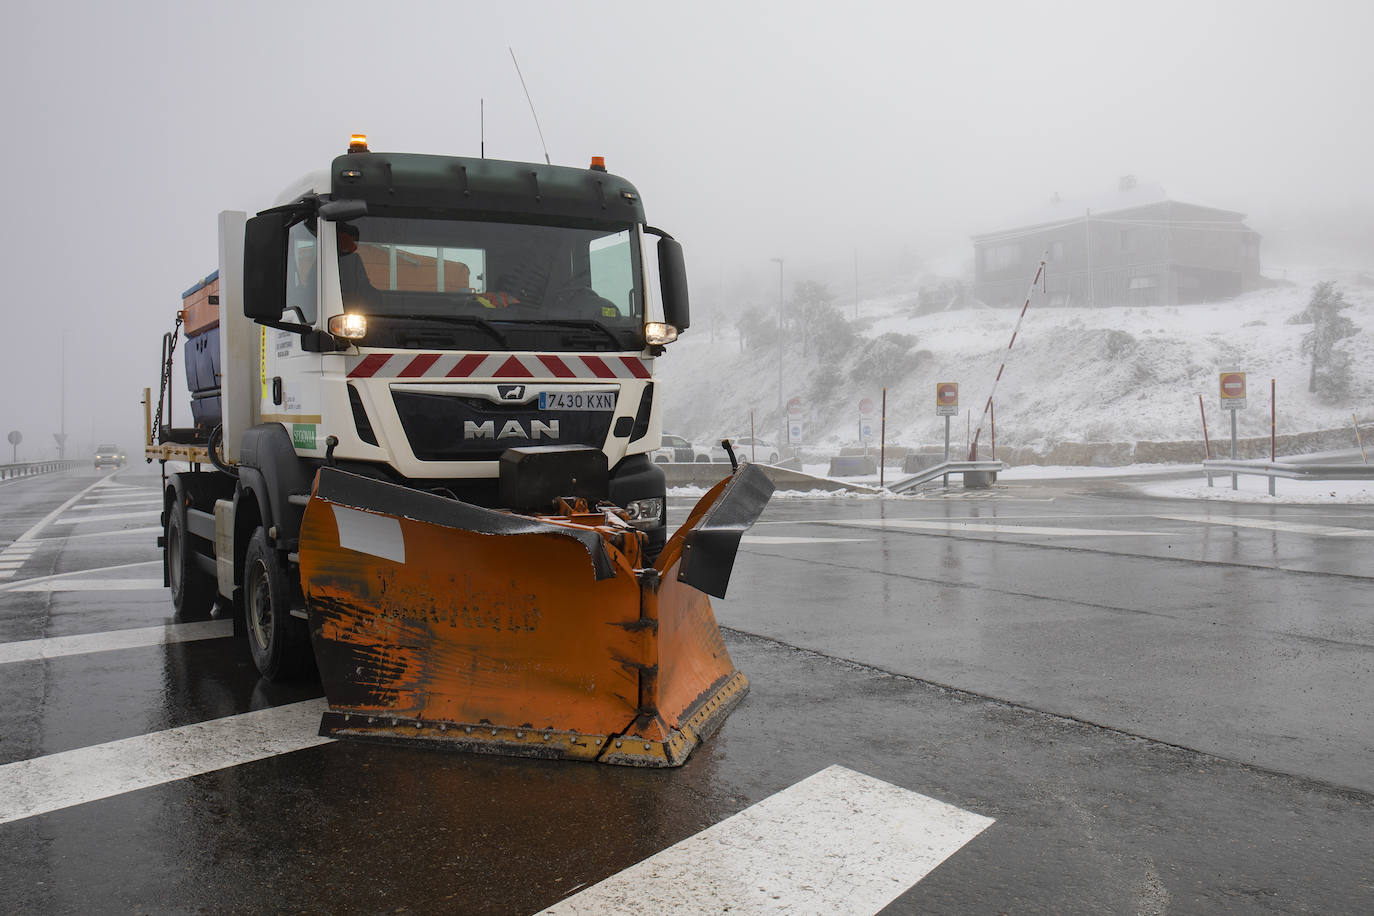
column 672, row 278
column 339, row 210
column 264, row 266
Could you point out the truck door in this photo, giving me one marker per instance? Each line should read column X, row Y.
column 290, row 375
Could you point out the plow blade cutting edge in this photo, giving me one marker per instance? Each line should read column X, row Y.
column 436, row 621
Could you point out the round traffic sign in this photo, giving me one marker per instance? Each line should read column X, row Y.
column 947, row 393
column 1232, row 385
column 866, row 406
column 16, row 437
column 794, row 407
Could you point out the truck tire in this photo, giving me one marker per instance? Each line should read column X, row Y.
column 279, row 642
column 193, row 590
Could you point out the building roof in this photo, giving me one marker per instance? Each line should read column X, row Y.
column 1129, row 195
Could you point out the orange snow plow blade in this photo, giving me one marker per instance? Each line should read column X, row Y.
column 436, row 621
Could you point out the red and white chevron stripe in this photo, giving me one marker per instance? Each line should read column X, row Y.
column 410, row 364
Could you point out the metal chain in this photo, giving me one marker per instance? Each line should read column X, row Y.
column 166, row 380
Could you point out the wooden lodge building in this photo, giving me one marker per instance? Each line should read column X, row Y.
column 1132, row 247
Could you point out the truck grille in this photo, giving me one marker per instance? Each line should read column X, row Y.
column 454, row 428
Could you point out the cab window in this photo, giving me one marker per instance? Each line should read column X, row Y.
column 301, row 256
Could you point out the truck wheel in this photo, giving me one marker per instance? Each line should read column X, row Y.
column 193, row 591
column 280, row 643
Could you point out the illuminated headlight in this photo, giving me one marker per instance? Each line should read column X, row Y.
column 645, row 513
column 350, row 326
column 658, row 333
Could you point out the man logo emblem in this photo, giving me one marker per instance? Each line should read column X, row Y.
column 511, row 392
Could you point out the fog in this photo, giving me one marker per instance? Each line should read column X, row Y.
column 844, row 138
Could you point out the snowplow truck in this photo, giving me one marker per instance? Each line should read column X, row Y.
column 422, row 410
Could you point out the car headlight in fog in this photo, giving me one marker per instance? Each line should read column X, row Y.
column 658, row 333
column 645, row 513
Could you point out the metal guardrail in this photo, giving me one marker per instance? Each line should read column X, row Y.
column 32, row 468
column 946, row 467
column 1291, row 470
column 1286, row 469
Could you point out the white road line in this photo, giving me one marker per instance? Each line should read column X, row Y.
column 107, row 518
column 113, row 640
column 1325, row 531
column 963, row 527
column 77, row 574
column 836, row 842
column 117, row 505
column 43, row 523
column 118, row 532
column 88, row 774
column 779, row 539
column 89, row 585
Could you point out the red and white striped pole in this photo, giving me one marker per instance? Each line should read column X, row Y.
column 987, row 408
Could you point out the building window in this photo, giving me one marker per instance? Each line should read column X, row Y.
column 1057, row 251
column 1143, row 282
column 1128, row 240
column 1000, row 257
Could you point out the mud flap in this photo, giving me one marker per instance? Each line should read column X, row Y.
column 435, row 621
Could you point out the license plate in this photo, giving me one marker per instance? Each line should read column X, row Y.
column 577, row 400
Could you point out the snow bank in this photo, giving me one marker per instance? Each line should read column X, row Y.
column 1109, row 375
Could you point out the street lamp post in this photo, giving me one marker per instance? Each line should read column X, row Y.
column 62, row 407
column 782, row 421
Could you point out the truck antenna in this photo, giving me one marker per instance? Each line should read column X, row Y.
column 482, row 126
column 547, row 161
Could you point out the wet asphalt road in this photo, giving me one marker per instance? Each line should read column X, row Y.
column 1164, row 711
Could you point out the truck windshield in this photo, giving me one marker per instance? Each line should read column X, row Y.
column 477, row 285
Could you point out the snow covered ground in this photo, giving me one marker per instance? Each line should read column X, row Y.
column 1074, row 375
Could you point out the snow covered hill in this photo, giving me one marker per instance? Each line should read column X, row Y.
column 1117, row 375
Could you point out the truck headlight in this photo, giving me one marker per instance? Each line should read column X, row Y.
column 658, row 333
column 350, row 326
column 645, row 513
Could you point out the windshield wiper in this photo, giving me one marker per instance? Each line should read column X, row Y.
column 473, row 321
column 575, row 323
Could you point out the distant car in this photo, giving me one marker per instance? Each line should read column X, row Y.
column 108, row 456
column 747, row 448
column 677, row 449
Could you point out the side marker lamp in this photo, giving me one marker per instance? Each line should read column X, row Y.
column 658, row 333
column 350, row 326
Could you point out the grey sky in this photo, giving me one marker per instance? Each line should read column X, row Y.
column 754, row 130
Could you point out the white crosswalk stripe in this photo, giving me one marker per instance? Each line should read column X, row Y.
column 113, row 640
column 87, row 774
column 836, row 842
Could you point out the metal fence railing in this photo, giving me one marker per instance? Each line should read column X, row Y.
column 987, row 467
column 31, row 468
column 1286, row 469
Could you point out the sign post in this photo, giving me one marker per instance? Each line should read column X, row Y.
column 946, row 405
column 1233, row 399
column 882, row 441
column 865, row 422
column 794, row 422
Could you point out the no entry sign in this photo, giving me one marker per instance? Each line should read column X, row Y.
column 794, row 408
column 1232, row 390
column 946, row 399
column 866, row 406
